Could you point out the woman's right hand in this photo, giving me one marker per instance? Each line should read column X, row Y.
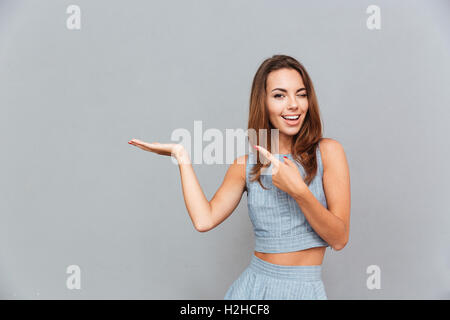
column 166, row 149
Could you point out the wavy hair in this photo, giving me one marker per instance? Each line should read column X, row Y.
column 307, row 139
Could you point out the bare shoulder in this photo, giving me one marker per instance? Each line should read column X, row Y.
column 241, row 160
column 331, row 151
column 235, row 175
column 240, row 164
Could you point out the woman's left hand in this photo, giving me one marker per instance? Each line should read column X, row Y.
column 285, row 175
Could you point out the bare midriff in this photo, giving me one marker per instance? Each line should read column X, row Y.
column 307, row 257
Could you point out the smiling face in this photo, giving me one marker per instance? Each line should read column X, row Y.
column 287, row 104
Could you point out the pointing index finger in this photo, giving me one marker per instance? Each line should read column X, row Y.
column 268, row 155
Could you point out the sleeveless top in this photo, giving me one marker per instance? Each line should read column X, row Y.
column 278, row 222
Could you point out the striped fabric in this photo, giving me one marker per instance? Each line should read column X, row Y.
column 280, row 226
column 278, row 222
column 262, row 280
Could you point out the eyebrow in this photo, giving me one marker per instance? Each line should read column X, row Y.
column 284, row 90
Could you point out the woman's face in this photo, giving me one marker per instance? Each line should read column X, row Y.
column 286, row 96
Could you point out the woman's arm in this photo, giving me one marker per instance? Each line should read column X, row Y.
column 331, row 224
column 206, row 215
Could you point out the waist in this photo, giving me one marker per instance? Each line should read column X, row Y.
column 300, row 272
column 308, row 257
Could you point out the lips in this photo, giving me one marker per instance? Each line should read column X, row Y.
column 291, row 120
column 291, row 117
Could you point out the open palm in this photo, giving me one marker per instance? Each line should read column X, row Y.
column 166, row 149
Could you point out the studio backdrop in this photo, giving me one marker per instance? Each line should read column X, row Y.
column 84, row 215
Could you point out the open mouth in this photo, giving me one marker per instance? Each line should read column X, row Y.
column 291, row 117
column 291, row 120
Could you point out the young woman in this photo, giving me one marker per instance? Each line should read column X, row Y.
column 299, row 209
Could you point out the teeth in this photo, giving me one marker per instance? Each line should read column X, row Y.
column 291, row 117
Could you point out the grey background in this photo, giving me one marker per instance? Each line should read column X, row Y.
column 74, row 192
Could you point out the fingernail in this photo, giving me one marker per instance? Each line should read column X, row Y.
column 284, row 157
column 255, row 147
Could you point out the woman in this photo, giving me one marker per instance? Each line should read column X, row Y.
column 298, row 209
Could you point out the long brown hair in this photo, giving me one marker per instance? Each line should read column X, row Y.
column 307, row 139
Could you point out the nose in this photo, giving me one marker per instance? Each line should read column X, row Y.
column 292, row 104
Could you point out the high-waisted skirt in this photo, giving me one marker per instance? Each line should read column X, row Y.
column 262, row 280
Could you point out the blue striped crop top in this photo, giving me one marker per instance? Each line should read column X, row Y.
column 278, row 222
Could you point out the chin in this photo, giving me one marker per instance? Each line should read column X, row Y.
column 290, row 131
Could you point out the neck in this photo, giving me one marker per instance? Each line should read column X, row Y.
column 285, row 143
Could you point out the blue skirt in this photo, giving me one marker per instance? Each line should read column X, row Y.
column 262, row 280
